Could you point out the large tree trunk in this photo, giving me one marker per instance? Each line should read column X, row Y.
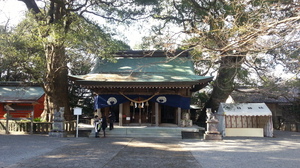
column 56, row 82
column 52, row 29
column 224, row 83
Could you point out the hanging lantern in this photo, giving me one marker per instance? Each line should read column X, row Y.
column 147, row 104
column 131, row 103
column 140, row 105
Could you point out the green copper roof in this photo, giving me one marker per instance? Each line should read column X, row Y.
column 144, row 69
column 20, row 93
column 177, row 66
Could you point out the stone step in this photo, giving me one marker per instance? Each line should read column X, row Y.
column 84, row 133
column 146, row 131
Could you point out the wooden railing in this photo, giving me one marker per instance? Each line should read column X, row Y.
column 37, row 127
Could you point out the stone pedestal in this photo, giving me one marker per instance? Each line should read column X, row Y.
column 212, row 132
column 58, row 127
column 212, row 137
column 57, row 134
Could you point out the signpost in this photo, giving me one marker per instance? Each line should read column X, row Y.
column 77, row 111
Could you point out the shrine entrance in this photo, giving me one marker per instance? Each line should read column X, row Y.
column 141, row 113
column 168, row 114
column 115, row 111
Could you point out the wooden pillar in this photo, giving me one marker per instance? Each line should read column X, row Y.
column 121, row 114
column 140, row 116
column 156, row 114
column 178, row 116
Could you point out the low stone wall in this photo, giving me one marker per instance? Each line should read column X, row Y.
column 38, row 127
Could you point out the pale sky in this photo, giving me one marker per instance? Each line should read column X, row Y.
column 14, row 11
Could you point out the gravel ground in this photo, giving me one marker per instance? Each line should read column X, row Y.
column 29, row 151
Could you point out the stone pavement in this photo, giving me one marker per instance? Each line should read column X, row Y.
column 29, row 151
column 283, row 150
column 50, row 152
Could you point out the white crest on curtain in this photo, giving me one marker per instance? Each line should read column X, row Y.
column 112, row 101
column 161, row 99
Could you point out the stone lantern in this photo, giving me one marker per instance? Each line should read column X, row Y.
column 212, row 132
column 58, row 129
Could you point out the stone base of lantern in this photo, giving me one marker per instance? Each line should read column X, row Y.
column 209, row 136
column 57, row 134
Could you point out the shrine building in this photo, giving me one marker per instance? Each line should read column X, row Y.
column 144, row 87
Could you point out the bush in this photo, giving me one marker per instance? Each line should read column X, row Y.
column 38, row 119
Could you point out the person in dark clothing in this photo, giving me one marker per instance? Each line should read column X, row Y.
column 111, row 117
column 103, row 124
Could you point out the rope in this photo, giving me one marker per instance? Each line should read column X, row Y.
column 139, row 101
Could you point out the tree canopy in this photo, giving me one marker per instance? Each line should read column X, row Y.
column 240, row 42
